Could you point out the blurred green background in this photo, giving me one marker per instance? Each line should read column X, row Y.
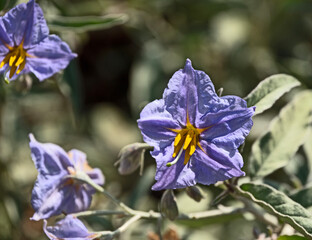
column 127, row 52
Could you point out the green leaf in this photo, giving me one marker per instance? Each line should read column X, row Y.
column 292, row 237
column 286, row 133
column 269, row 90
column 278, row 204
column 204, row 218
column 6, row 5
column 86, row 23
column 303, row 196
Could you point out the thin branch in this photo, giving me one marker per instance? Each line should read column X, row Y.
column 99, row 212
column 119, row 230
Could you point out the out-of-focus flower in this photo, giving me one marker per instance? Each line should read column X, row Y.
column 26, row 46
column 69, row 228
column 195, row 133
column 131, row 157
column 168, row 205
column 55, row 192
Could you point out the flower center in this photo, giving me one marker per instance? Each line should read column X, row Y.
column 187, row 139
column 16, row 58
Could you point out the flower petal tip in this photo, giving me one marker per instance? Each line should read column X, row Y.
column 35, row 217
column 31, row 137
column 188, row 65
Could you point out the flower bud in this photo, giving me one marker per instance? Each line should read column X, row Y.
column 131, row 157
column 195, row 193
column 168, row 205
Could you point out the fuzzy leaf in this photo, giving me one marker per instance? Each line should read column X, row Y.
column 286, row 133
column 215, row 216
column 269, row 90
column 304, row 197
column 86, row 23
column 278, row 204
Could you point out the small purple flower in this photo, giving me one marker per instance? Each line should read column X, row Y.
column 195, row 133
column 54, row 191
column 26, row 46
column 68, row 228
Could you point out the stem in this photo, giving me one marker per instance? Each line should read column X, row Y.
column 83, row 177
column 128, row 223
column 99, row 212
column 121, row 229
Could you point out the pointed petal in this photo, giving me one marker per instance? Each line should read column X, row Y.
column 50, row 56
column 181, row 95
column 228, row 127
column 26, row 21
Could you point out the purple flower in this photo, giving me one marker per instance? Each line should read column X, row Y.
column 68, row 228
column 54, row 191
column 195, row 133
column 26, row 46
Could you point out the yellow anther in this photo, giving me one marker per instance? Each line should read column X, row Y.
column 19, row 61
column 193, row 147
column 16, row 58
column 21, row 67
column 12, row 59
column 188, row 138
column 12, row 71
column 177, row 139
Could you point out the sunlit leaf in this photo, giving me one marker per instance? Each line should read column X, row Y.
column 278, row 204
column 286, row 133
column 86, row 23
column 269, row 90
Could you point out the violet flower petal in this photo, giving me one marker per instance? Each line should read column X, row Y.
column 25, row 35
column 54, row 191
column 50, row 56
column 191, row 104
column 69, row 228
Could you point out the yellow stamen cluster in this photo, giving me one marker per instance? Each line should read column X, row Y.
column 16, row 58
column 188, row 138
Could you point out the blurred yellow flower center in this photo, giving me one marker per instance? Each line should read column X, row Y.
column 16, row 58
column 187, row 140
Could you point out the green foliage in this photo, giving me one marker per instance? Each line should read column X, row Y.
column 269, row 90
column 5, row 5
column 210, row 217
column 278, row 204
column 293, row 237
column 287, row 132
column 304, row 197
column 86, row 23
